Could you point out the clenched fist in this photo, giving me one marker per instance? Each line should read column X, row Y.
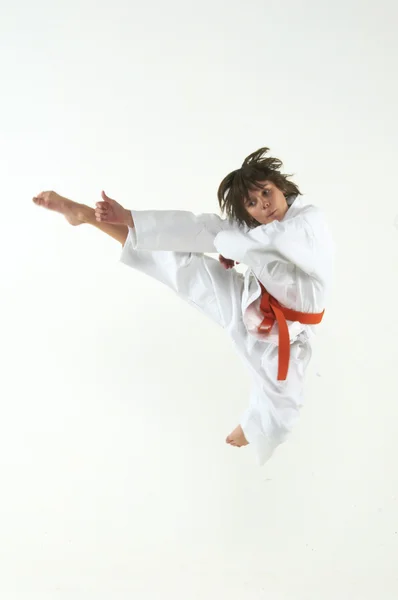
column 227, row 263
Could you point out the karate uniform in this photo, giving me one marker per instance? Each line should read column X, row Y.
column 293, row 260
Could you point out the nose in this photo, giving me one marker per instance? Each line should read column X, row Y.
column 262, row 201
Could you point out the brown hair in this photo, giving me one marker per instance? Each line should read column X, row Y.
column 234, row 188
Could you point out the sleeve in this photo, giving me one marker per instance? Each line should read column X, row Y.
column 176, row 231
column 297, row 240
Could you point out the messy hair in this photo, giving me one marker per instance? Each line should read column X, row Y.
column 234, row 188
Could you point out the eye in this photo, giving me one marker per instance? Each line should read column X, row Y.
column 266, row 192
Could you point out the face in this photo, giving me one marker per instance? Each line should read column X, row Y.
column 266, row 203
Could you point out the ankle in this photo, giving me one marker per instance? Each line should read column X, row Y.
column 86, row 214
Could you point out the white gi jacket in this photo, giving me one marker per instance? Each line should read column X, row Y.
column 292, row 258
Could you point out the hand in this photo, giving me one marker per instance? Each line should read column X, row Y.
column 227, row 263
column 110, row 211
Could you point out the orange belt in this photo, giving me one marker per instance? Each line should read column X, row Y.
column 274, row 311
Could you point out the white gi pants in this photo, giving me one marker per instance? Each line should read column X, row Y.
column 204, row 283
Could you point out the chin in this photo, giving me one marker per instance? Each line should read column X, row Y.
column 270, row 221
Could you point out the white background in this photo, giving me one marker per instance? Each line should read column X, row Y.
column 115, row 396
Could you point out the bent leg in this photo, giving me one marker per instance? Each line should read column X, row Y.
column 274, row 405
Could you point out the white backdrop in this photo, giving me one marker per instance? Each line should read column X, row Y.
column 116, row 397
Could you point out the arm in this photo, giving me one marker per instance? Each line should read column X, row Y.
column 177, row 231
column 298, row 241
column 173, row 230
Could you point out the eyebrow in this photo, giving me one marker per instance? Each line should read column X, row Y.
column 261, row 186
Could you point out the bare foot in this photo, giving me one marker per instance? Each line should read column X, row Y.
column 72, row 211
column 237, row 438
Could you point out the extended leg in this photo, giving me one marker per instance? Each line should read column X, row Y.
column 198, row 279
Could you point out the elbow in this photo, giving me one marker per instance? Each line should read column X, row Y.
column 223, row 244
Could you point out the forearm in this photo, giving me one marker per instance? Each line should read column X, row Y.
column 117, row 232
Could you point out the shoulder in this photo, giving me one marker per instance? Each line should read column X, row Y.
column 314, row 220
column 312, row 215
